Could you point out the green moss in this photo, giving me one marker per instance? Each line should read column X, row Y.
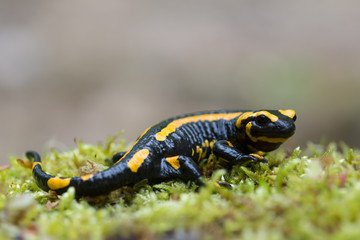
column 312, row 193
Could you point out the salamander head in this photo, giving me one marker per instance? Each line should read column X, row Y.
column 266, row 130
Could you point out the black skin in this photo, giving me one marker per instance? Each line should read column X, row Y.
column 230, row 142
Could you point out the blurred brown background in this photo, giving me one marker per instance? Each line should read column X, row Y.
column 88, row 69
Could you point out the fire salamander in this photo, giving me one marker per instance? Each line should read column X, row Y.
column 172, row 149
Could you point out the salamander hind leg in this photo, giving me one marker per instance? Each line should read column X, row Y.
column 182, row 167
column 186, row 169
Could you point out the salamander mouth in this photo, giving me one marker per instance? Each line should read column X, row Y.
column 285, row 134
column 265, row 146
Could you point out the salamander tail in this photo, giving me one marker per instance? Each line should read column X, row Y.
column 88, row 185
column 45, row 181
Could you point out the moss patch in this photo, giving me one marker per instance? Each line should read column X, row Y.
column 309, row 194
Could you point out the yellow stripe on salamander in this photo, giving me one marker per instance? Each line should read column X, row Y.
column 174, row 162
column 171, row 127
column 36, row 163
column 262, row 138
column 290, row 113
column 138, row 158
column 272, row 117
column 246, row 115
column 86, row 177
column 58, row 183
column 229, row 143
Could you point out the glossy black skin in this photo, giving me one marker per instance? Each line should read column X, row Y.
column 180, row 143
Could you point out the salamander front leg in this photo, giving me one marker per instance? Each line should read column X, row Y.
column 227, row 151
column 190, row 171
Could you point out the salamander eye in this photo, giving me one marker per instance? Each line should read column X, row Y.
column 262, row 120
column 294, row 118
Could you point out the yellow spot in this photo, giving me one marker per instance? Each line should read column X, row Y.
column 290, row 113
column 192, row 152
column 132, row 146
column 257, row 156
column 204, row 154
column 262, row 138
column 199, row 150
column 138, row 158
column 171, row 127
column 230, row 144
column 212, row 143
column 87, row 177
column 36, row 163
column 205, row 144
column 58, row 183
column 174, row 162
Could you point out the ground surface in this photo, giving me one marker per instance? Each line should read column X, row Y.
column 311, row 193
